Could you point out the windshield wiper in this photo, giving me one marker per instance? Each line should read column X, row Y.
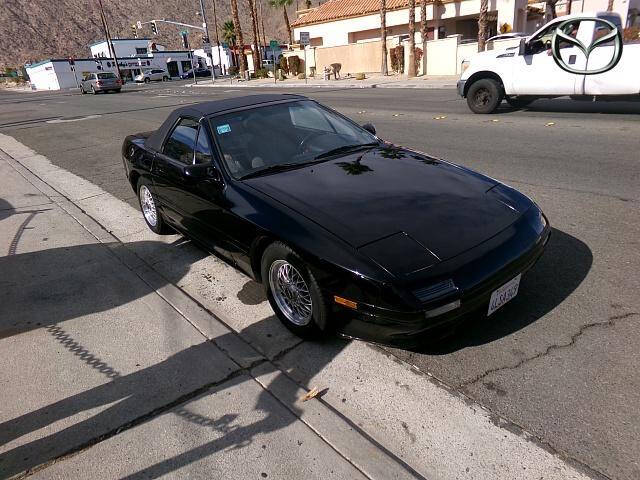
column 279, row 167
column 345, row 149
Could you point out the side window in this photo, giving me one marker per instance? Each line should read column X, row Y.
column 181, row 144
column 203, row 147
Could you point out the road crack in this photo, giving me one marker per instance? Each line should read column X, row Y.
column 609, row 323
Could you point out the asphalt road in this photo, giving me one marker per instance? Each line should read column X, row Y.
column 562, row 359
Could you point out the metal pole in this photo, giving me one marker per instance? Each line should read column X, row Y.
column 215, row 21
column 206, row 32
column 305, row 64
column 193, row 69
column 273, row 54
column 112, row 50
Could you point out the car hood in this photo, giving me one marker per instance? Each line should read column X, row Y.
column 390, row 198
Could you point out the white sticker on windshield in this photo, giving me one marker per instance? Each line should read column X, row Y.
column 226, row 128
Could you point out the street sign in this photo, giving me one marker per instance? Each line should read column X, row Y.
column 304, row 38
column 184, row 32
column 139, row 25
column 274, row 44
column 225, row 45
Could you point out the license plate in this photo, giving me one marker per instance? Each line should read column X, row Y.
column 503, row 294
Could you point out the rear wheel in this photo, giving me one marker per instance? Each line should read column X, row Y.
column 484, row 95
column 147, row 80
column 519, row 102
column 149, row 207
column 293, row 291
column 165, row 79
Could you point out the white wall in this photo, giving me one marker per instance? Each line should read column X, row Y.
column 123, row 48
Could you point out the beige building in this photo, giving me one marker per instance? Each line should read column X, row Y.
column 344, row 22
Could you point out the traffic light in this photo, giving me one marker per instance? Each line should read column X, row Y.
column 185, row 40
column 134, row 31
column 205, row 39
column 154, row 28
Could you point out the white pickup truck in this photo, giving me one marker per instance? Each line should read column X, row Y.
column 523, row 73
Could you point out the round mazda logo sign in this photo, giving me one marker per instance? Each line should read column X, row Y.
column 560, row 35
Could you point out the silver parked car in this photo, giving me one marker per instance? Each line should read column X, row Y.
column 153, row 75
column 100, row 82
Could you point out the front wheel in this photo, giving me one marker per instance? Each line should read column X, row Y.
column 484, row 95
column 147, row 80
column 149, row 206
column 165, row 79
column 293, row 291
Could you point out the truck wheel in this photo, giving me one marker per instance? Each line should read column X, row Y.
column 484, row 95
column 519, row 102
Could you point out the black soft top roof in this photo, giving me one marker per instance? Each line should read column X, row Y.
column 154, row 141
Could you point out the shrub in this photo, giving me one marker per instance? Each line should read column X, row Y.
column 294, row 64
column 284, row 66
column 301, row 76
column 397, row 59
column 232, row 70
column 262, row 73
column 360, row 76
column 631, row 35
column 417, row 56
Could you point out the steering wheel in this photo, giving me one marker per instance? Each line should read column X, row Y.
column 303, row 146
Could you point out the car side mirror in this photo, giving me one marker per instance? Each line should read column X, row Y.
column 202, row 172
column 522, row 48
column 369, row 128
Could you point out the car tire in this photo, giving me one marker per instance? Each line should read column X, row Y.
column 291, row 306
column 519, row 102
column 484, row 95
column 93, row 90
column 149, row 208
column 147, row 80
column 118, row 90
column 83, row 91
column 165, row 79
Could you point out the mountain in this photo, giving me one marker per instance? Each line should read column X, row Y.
column 34, row 30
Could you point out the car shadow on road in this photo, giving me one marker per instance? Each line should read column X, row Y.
column 561, row 269
column 46, row 289
column 567, row 105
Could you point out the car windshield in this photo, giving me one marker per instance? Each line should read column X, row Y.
column 104, row 76
column 287, row 134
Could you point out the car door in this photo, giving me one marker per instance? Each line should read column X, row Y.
column 536, row 72
column 168, row 170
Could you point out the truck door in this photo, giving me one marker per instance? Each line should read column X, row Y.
column 623, row 78
column 536, row 72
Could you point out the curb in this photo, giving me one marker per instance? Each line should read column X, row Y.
column 344, row 86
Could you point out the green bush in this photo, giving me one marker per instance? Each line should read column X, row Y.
column 262, row 73
column 233, row 70
column 301, row 76
column 284, row 66
column 397, row 58
column 360, row 76
column 294, row 64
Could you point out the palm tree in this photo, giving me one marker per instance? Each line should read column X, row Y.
column 257, row 63
column 229, row 36
column 242, row 64
column 610, row 6
column 284, row 4
column 411, row 68
column 568, row 9
column 482, row 24
column 424, row 32
column 383, row 36
column 551, row 6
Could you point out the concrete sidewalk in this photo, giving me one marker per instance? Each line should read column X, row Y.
column 102, row 371
column 372, row 81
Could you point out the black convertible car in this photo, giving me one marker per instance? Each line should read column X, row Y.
column 346, row 232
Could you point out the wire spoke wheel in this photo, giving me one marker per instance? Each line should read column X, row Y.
column 148, row 206
column 291, row 293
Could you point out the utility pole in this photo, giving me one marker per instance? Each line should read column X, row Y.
column 206, row 32
column 215, row 22
column 112, row 50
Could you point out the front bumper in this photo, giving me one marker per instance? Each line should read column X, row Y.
column 460, row 87
column 413, row 329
